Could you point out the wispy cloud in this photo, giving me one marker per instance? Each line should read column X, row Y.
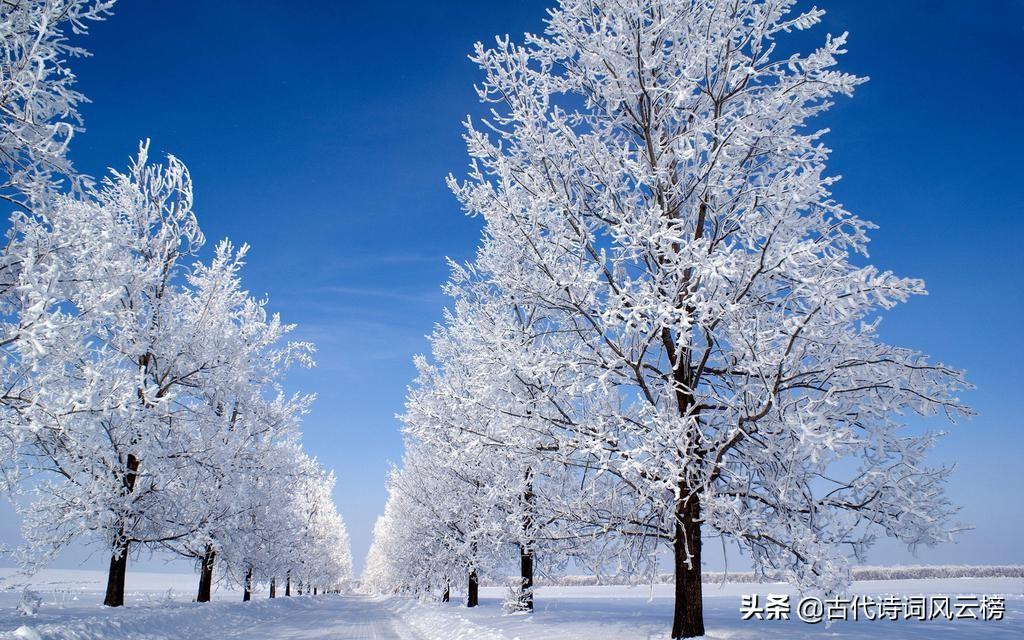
column 431, row 297
column 378, row 260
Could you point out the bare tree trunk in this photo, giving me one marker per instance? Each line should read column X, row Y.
column 206, row 574
column 688, row 610
column 473, row 595
column 688, row 615
column 119, row 558
column 526, row 573
column 273, row 587
column 288, row 584
column 247, row 593
column 447, row 595
column 115, row 576
column 526, row 550
column 314, row 591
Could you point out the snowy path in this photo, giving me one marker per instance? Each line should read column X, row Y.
column 319, row 618
column 330, row 618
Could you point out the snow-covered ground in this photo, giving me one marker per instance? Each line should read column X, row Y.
column 621, row 613
column 160, row 608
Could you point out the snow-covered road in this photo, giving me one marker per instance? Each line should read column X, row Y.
column 322, row 618
column 329, row 618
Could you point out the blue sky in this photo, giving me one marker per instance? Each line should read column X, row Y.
column 320, row 133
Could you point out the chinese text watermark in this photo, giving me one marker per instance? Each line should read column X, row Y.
column 813, row 610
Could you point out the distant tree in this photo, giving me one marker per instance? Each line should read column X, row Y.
column 471, row 416
column 238, row 417
column 444, row 524
column 318, row 555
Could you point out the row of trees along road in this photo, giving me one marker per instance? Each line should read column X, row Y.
column 142, row 404
column 669, row 330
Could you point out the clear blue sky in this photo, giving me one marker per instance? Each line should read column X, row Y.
column 320, row 133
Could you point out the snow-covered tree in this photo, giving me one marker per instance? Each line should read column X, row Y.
column 38, row 101
column 481, row 458
column 239, row 417
column 38, row 116
column 103, row 392
column 443, row 526
column 141, row 400
column 151, row 400
column 319, row 556
column 261, row 531
column 653, row 187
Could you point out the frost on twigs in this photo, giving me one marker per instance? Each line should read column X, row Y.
column 515, row 598
column 29, row 603
column 38, row 99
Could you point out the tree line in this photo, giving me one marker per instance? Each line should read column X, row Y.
column 670, row 329
column 142, row 404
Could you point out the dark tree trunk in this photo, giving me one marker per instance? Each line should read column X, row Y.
column 115, row 576
column 688, row 616
column 526, row 550
column 314, row 591
column 119, row 557
column 688, row 611
column 298, row 588
column 206, row 574
column 473, row 595
column 526, row 572
column 288, row 584
column 273, row 587
column 447, row 595
column 247, row 593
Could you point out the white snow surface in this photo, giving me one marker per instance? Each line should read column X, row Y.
column 71, row 610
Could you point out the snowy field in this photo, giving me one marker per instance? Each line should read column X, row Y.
column 160, row 608
column 622, row 613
